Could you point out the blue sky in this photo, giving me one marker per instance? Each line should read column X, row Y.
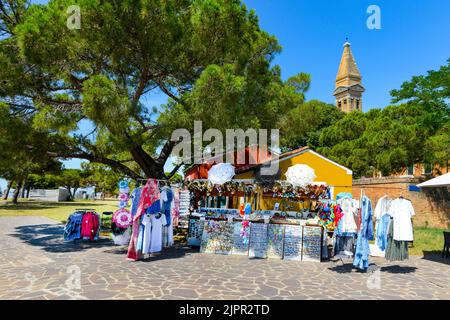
column 413, row 39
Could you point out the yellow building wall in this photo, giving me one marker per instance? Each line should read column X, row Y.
column 326, row 171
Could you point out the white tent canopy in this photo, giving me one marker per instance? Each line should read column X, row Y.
column 441, row 181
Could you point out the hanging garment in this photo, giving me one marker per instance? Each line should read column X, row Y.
column 149, row 195
column 382, row 223
column 166, row 202
column 395, row 250
column 349, row 209
column 89, row 226
column 135, row 198
column 167, row 235
column 344, row 246
column 176, row 207
column 156, row 237
column 146, row 233
column 345, row 233
column 365, row 234
column 402, row 211
column 382, row 207
column 338, row 214
column 72, row 230
column 381, row 231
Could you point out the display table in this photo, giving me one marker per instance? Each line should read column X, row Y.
column 288, row 239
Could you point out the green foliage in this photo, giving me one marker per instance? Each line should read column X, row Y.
column 302, row 125
column 102, row 177
column 210, row 58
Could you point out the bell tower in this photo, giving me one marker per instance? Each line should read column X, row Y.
column 348, row 90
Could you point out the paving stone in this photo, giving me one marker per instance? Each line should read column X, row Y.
column 30, row 243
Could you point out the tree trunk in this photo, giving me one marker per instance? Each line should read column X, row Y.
column 8, row 188
column 24, row 189
column 70, row 192
column 151, row 168
column 17, row 192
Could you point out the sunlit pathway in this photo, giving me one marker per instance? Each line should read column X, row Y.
column 35, row 263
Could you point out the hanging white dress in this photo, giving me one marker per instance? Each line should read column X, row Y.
column 168, row 232
column 402, row 211
column 156, row 236
column 146, row 242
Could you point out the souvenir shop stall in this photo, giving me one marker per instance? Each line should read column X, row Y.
column 228, row 219
column 149, row 223
column 83, row 224
column 305, row 223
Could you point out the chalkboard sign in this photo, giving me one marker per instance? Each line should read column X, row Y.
column 275, row 239
column 312, row 243
column 239, row 247
column 195, row 232
column 217, row 237
column 258, row 241
column 293, row 236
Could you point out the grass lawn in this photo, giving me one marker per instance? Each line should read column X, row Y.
column 427, row 241
column 58, row 211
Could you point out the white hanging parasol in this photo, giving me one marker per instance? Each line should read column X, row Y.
column 300, row 175
column 441, row 181
column 221, row 173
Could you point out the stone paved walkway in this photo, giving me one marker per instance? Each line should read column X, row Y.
column 36, row 264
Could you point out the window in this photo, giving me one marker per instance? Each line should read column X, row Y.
column 345, row 101
column 357, row 104
column 427, row 169
column 411, row 170
column 339, row 104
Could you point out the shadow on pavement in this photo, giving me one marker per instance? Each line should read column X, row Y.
column 49, row 237
column 398, row 269
column 435, row 256
column 177, row 251
column 347, row 267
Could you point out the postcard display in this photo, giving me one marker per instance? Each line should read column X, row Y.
column 258, row 241
column 273, row 241
column 217, row 237
column 185, row 199
column 293, row 243
column 195, row 232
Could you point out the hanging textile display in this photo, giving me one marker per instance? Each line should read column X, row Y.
column 365, row 234
column 176, row 207
column 346, row 228
column 121, row 219
column 383, row 218
column 167, row 196
column 400, row 230
column 72, row 230
column 82, row 225
column 149, row 195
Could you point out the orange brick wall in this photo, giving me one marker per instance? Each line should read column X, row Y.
column 432, row 205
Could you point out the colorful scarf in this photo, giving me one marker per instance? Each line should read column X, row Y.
column 149, row 194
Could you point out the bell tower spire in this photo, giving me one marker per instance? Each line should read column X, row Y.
column 349, row 89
